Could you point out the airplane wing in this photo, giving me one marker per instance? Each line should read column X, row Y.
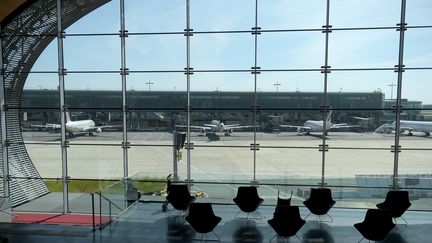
column 292, row 126
column 205, row 128
column 48, row 125
column 385, row 128
column 109, row 126
column 409, row 129
column 98, row 129
column 300, row 129
column 363, row 118
column 237, row 126
column 388, row 128
column 343, row 125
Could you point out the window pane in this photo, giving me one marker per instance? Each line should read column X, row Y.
column 415, row 87
column 95, row 162
column 90, row 53
column 281, row 14
column 209, row 15
column 153, row 162
column 418, row 48
column 220, row 164
column 48, row 203
column 236, row 87
column 48, row 60
column 156, row 52
column 222, row 51
column 95, row 90
column 155, row 15
column 359, row 48
column 221, row 128
column 418, row 12
column 365, row 13
column 105, row 19
column 291, row 50
column 298, row 82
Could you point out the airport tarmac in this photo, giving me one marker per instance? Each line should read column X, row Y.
column 281, row 156
column 284, row 158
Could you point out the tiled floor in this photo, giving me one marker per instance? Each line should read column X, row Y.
column 145, row 222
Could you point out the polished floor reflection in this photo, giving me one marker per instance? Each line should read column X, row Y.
column 146, row 222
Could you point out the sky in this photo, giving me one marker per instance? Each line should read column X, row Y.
column 280, row 50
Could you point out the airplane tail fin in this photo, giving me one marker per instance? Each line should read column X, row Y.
column 67, row 116
column 328, row 117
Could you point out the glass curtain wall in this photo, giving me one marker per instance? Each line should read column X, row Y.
column 251, row 84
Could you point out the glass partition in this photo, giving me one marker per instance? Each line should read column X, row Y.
column 255, row 100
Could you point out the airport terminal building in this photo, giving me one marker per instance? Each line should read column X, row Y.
column 102, row 99
column 39, row 107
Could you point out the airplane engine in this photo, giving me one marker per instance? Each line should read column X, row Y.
column 98, row 130
column 388, row 130
column 228, row 132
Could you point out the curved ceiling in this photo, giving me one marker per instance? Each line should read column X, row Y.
column 9, row 6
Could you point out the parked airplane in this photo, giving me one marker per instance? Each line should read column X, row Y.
column 410, row 126
column 318, row 125
column 82, row 126
column 216, row 126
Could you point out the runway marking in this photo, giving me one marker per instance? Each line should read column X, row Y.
column 134, row 137
column 271, row 188
column 161, row 151
column 195, row 168
column 148, row 135
column 161, row 136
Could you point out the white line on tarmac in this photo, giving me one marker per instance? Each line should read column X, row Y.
column 271, row 188
column 148, row 135
column 134, row 136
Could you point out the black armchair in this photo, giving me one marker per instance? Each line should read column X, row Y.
column 397, row 202
column 286, row 221
column 247, row 200
column 376, row 224
column 202, row 219
column 320, row 202
column 179, row 197
column 284, row 201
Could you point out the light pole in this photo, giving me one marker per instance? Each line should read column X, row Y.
column 391, row 85
column 277, row 84
column 149, row 83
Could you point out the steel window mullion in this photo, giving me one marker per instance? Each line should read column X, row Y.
column 188, row 108
column 324, row 104
column 400, row 70
column 123, row 78
column 62, row 107
column 254, row 106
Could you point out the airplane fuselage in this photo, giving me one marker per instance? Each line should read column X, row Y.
column 79, row 126
column 418, row 126
column 410, row 126
column 316, row 126
column 217, row 126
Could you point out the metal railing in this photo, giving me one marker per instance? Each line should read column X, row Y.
column 102, row 224
column 113, row 201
